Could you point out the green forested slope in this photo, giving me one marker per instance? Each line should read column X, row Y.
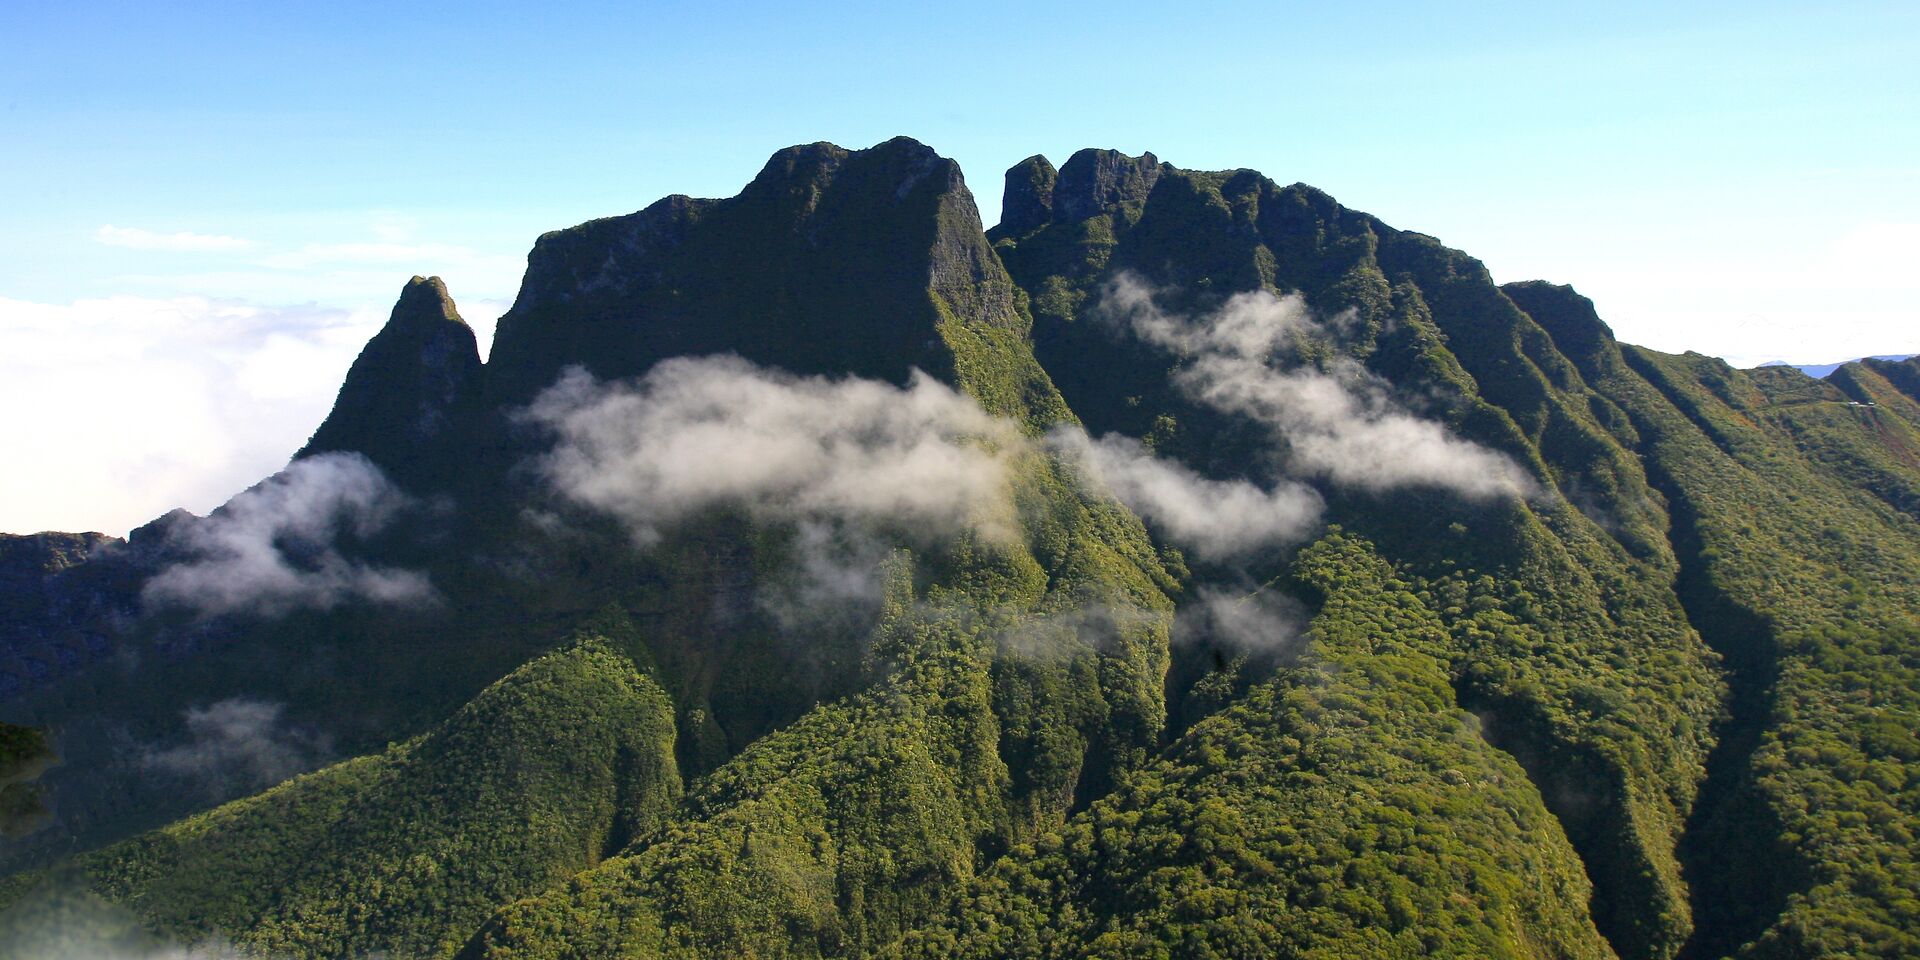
column 1803, row 843
column 1821, row 577
column 994, row 708
column 1563, row 626
column 822, row 839
column 1345, row 807
column 407, row 851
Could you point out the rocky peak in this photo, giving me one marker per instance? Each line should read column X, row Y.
column 410, row 383
column 424, row 303
column 1027, row 204
column 1095, row 181
column 828, row 262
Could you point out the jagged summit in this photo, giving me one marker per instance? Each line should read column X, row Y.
column 410, row 386
column 805, row 169
column 1093, row 182
column 871, row 262
column 1027, row 204
column 425, row 301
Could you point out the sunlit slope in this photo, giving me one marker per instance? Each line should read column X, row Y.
column 1346, row 807
column 1562, row 626
column 1804, row 573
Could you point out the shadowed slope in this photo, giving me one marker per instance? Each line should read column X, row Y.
column 407, row 850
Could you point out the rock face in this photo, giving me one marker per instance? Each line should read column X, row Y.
column 417, row 379
column 1028, row 204
column 1095, row 181
column 831, row 261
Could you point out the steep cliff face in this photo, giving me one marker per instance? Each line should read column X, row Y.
column 831, row 261
column 415, row 385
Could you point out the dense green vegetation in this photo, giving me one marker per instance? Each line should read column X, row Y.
column 1345, row 807
column 408, row 850
column 1562, row 627
column 1662, row 706
column 1824, row 573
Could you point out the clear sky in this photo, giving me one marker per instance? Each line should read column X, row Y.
column 206, row 208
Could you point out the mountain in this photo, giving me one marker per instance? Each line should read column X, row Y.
column 1187, row 566
column 1820, row 371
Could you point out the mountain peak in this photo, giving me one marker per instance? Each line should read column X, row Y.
column 424, row 301
column 1566, row 315
column 1027, row 203
column 1095, row 181
column 829, row 262
column 408, row 383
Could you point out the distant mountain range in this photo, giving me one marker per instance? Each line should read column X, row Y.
column 1820, row 371
column 1189, row 566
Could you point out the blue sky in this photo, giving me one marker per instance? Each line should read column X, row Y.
column 221, row 200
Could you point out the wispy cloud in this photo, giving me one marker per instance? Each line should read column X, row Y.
column 701, row 432
column 237, row 746
column 1216, row 519
column 183, row 241
column 280, row 545
column 1248, row 621
column 1338, row 422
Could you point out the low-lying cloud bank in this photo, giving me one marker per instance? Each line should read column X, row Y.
column 695, row 433
column 63, row 920
column 924, row 458
column 277, row 547
column 1339, row 423
column 128, row 407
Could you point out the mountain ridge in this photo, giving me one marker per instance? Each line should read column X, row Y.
column 1606, row 673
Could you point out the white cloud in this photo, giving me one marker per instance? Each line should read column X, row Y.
column 278, row 546
column 124, row 408
column 1261, row 621
column 237, row 746
column 1339, row 423
column 1216, row 519
column 837, row 457
column 700, row 432
column 1743, row 295
column 183, row 241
